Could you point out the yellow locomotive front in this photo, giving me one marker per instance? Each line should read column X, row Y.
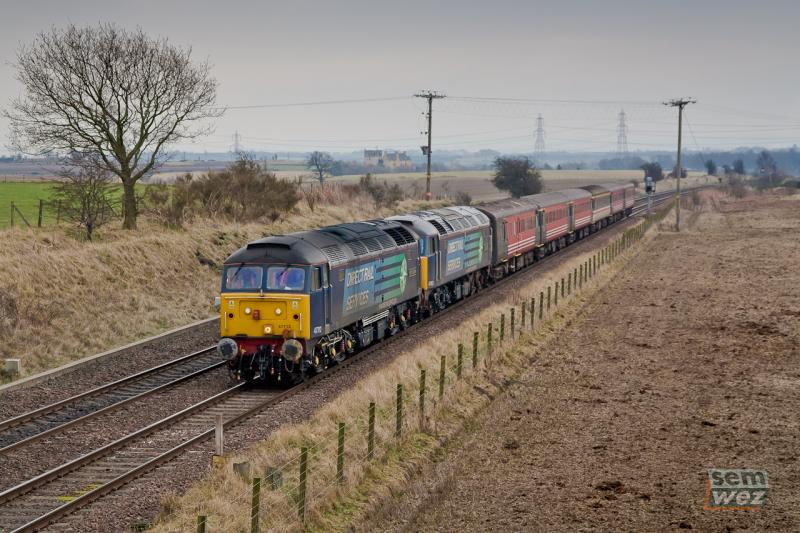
column 265, row 319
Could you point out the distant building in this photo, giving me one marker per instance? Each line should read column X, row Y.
column 387, row 159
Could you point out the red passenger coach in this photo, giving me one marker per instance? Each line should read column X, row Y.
column 601, row 204
column 554, row 213
column 580, row 212
column 617, row 196
column 513, row 222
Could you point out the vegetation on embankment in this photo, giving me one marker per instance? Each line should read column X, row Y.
column 62, row 298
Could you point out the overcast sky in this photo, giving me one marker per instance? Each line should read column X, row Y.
column 739, row 59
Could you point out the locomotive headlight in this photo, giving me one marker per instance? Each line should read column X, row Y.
column 292, row 350
column 247, row 310
column 277, row 311
column 267, row 329
column 228, row 348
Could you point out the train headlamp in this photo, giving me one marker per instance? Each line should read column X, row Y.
column 277, row 311
column 267, row 330
column 228, row 348
column 292, row 350
column 247, row 310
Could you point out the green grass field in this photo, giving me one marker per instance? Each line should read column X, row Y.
column 25, row 196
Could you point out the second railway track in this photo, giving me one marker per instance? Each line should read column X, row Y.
column 42, row 422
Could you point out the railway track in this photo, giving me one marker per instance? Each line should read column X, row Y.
column 39, row 423
column 44, row 499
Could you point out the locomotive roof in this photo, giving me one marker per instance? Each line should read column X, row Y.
column 446, row 220
column 336, row 244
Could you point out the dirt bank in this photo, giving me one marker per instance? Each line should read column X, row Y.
column 687, row 361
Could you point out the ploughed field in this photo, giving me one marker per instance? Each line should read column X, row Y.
column 687, row 360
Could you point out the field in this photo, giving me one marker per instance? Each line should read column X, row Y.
column 25, row 195
column 477, row 183
column 684, row 373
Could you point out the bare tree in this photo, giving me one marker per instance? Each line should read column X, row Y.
column 85, row 196
column 116, row 97
column 321, row 163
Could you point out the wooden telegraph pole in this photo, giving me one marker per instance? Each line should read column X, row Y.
column 680, row 103
column 426, row 150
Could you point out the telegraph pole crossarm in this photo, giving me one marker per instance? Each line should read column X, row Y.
column 680, row 103
column 430, row 96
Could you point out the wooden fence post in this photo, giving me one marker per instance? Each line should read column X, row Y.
column 475, row 349
column 441, row 375
column 460, row 360
column 340, row 455
column 39, row 222
column 522, row 318
column 255, row 505
column 201, row 523
column 422, row 399
column 533, row 314
column 502, row 326
column 548, row 298
column 541, row 305
column 398, row 427
column 562, row 287
column 301, row 488
column 555, row 302
column 511, row 325
column 569, row 284
column 12, row 214
column 488, row 342
column 371, row 431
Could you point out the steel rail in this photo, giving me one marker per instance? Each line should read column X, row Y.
column 47, row 409
column 85, row 418
column 74, row 464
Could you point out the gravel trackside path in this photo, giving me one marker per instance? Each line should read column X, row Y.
column 688, row 360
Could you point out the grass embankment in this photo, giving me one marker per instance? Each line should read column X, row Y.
column 62, row 299
column 368, row 487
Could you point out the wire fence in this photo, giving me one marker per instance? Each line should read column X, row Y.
column 30, row 213
column 284, row 496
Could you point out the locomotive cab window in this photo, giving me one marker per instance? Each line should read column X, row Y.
column 243, row 278
column 286, row 278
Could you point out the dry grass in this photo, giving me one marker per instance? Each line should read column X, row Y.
column 225, row 497
column 62, row 299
